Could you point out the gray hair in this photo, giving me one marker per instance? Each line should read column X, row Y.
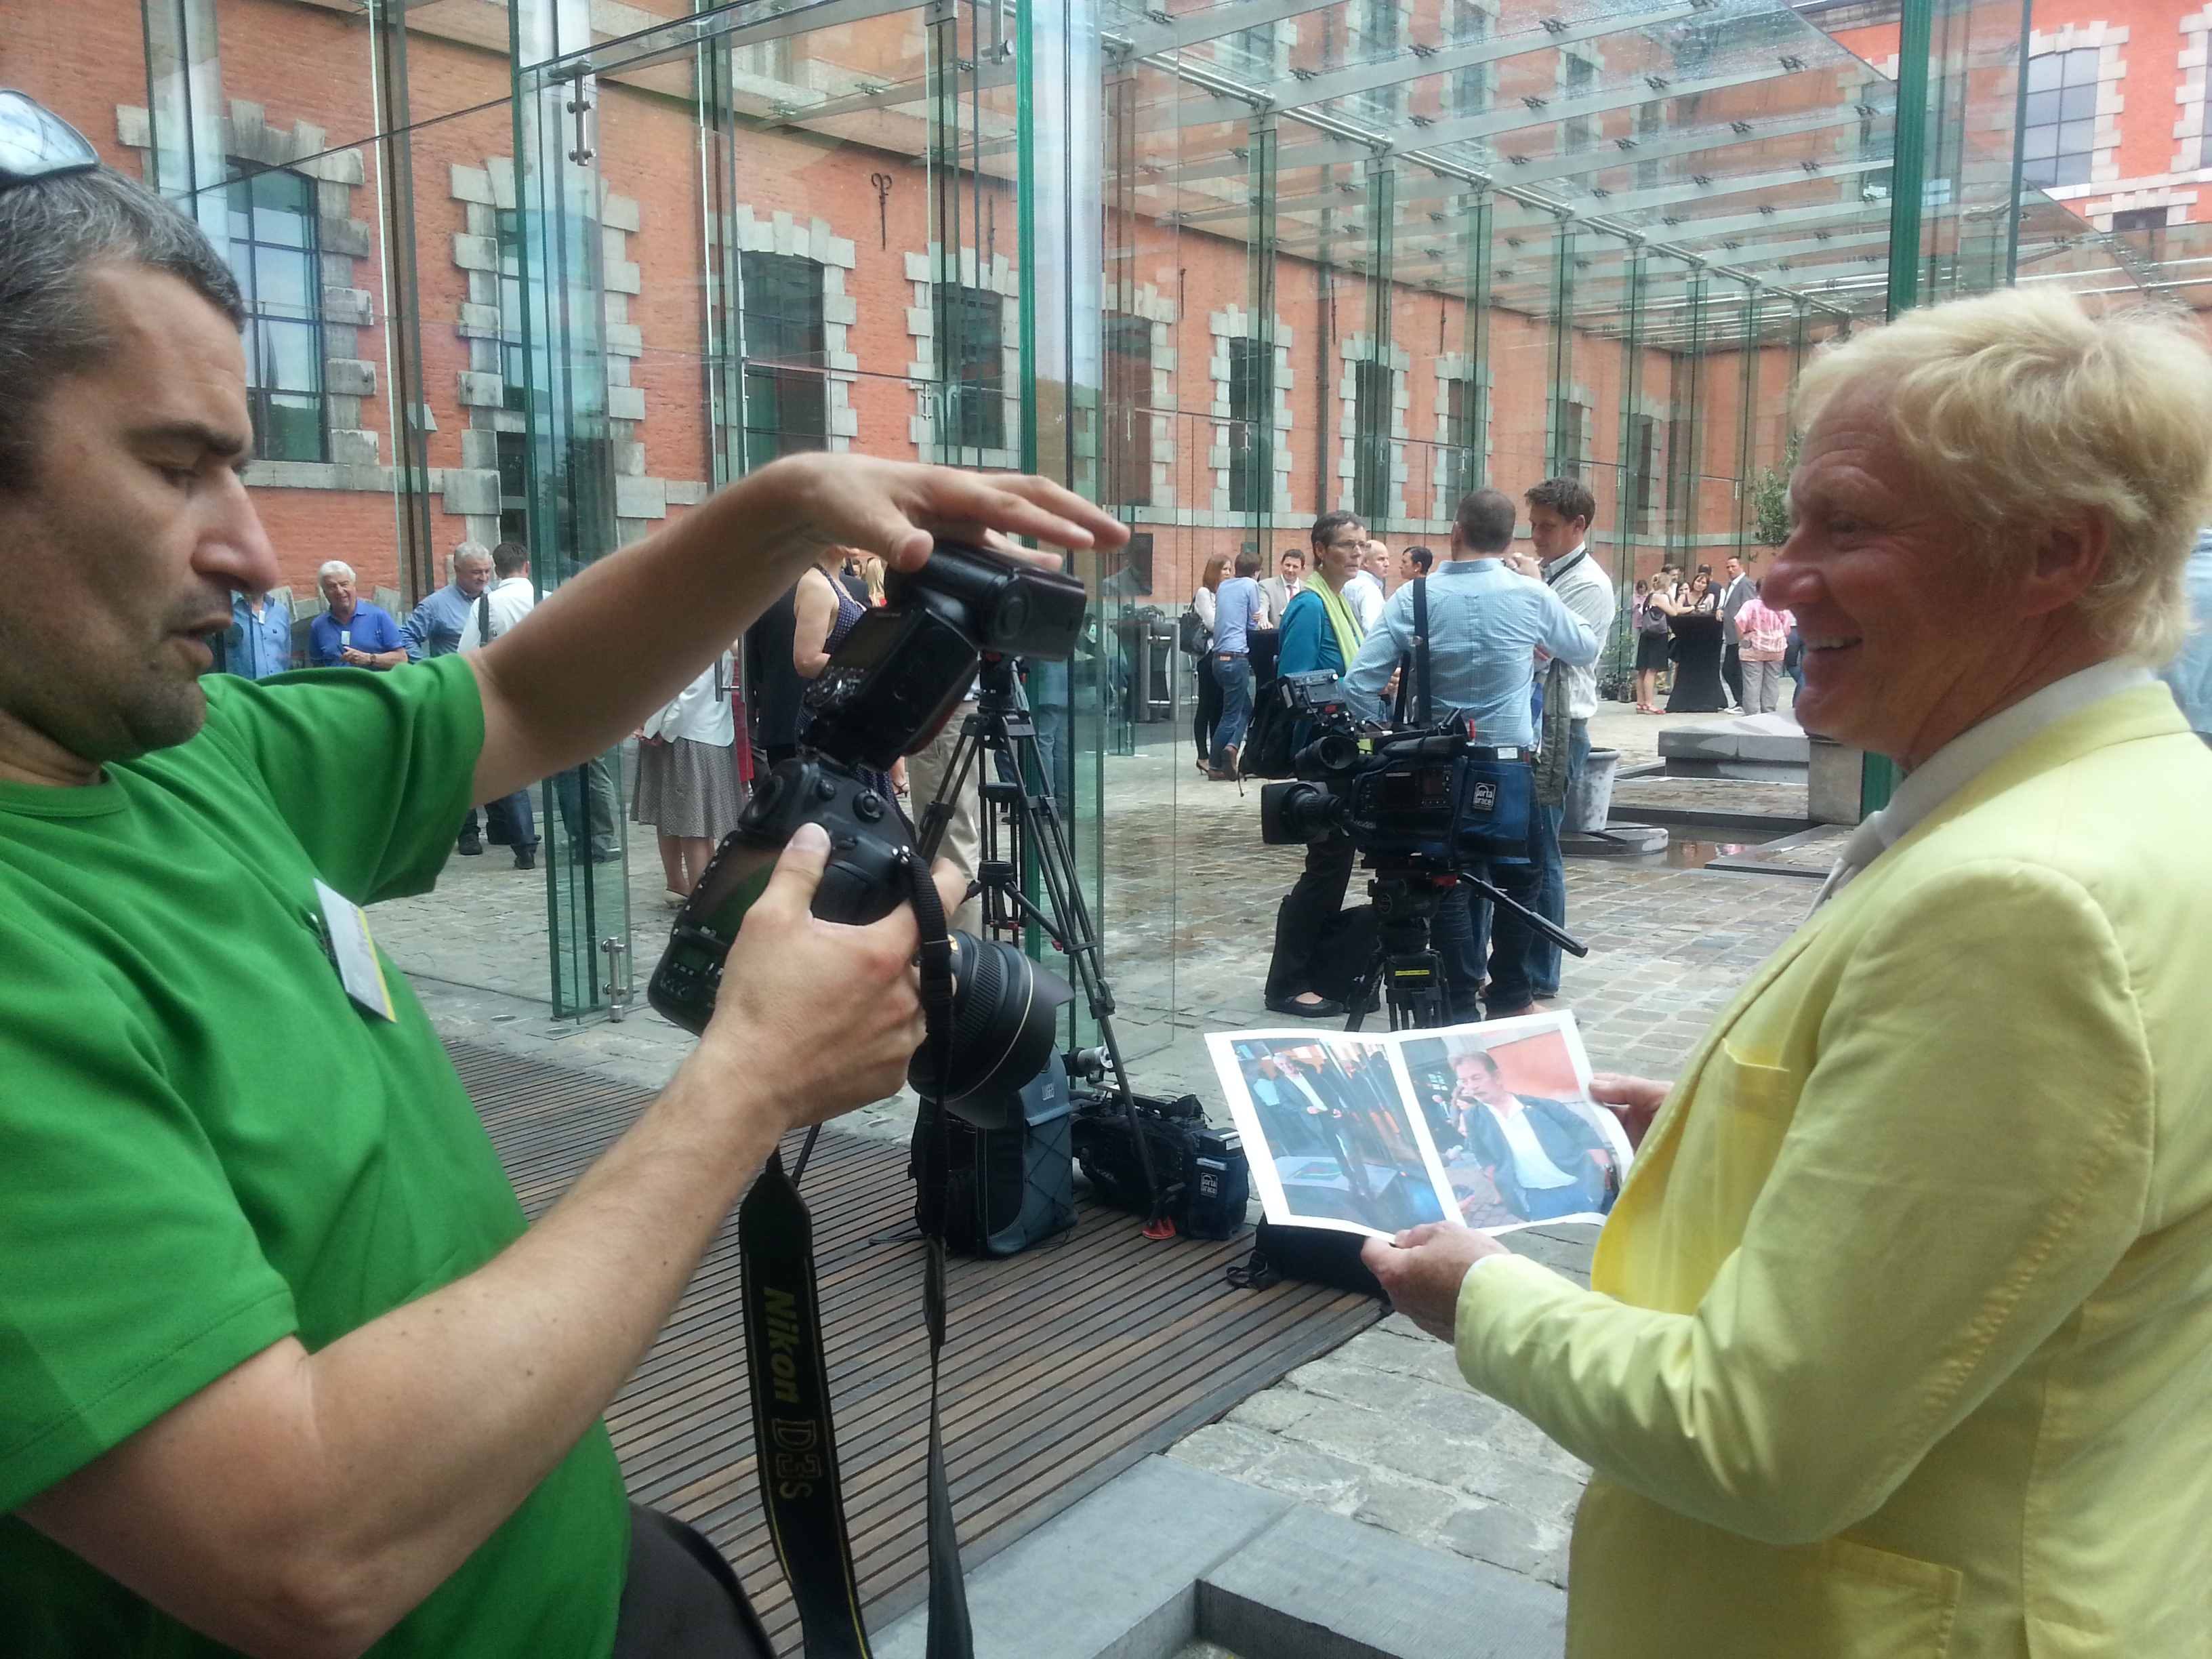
column 470, row 551
column 2022, row 410
column 337, row 567
column 52, row 232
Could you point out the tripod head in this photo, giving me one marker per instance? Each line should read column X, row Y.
column 1415, row 885
column 995, row 685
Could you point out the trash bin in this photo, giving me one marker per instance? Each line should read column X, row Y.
column 1147, row 642
column 1589, row 803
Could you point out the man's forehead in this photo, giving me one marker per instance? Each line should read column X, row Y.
column 179, row 356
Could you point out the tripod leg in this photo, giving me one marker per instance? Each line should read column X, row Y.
column 1363, row 997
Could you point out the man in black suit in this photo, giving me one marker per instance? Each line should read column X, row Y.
column 1324, row 1093
column 1734, row 597
column 1290, row 1122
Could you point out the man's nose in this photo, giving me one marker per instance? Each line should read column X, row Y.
column 233, row 547
column 1791, row 581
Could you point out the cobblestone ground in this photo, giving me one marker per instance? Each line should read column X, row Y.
column 1382, row 1430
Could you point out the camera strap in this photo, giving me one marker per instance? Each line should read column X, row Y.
column 1416, row 683
column 795, row 1441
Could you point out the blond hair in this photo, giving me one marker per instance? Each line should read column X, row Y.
column 2025, row 409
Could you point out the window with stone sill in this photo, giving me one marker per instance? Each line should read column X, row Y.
column 787, row 386
column 1461, row 439
column 1640, row 484
column 274, row 254
column 1128, row 471
column 1251, row 425
column 1571, row 427
column 1577, row 79
column 1374, row 386
column 2060, row 140
column 971, row 331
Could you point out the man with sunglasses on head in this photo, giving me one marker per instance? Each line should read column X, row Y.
column 282, row 1369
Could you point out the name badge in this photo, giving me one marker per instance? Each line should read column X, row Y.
column 345, row 925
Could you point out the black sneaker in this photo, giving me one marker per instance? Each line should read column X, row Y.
column 1325, row 1009
column 525, row 858
column 471, row 845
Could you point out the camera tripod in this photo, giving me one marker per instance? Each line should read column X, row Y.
column 1020, row 825
column 1407, row 969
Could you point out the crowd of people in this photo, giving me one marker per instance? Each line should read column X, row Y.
column 1727, row 649
column 1513, row 642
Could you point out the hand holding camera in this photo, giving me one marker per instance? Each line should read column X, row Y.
column 818, row 1016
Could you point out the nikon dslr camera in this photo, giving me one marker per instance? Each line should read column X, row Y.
column 887, row 690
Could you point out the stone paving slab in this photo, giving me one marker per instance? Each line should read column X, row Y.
column 1708, row 800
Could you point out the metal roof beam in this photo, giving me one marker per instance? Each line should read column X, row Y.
column 1422, row 61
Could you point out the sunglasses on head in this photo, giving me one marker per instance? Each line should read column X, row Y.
column 37, row 143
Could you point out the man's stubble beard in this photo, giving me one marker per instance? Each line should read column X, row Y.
column 98, row 719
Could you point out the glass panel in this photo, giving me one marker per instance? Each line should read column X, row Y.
column 1365, row 254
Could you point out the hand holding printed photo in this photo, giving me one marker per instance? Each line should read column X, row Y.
column 1491, row 1125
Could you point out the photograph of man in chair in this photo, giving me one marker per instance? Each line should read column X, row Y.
column 1518, row 1157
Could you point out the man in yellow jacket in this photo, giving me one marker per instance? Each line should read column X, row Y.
column 1900, row 1337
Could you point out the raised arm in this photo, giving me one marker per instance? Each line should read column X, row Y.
column 1567, row 636
column 646, row 619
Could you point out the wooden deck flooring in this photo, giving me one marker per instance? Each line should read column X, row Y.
column 1065, row 1365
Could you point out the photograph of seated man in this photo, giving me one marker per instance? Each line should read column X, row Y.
column 1337, row 1134
column 1511, row 1155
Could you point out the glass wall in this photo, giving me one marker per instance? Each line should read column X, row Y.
column 551, row 270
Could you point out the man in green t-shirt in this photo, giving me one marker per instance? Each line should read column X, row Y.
column 281, row 1368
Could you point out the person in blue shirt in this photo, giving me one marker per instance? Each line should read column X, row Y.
column 452, row 616
column 457, row 617
column 259, row 642
column 1236, row 609
column 1319, row 630
column 1487, row 627
column 352, row 633
column 2189, row 673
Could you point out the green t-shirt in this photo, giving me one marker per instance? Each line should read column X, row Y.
column 205, row 1147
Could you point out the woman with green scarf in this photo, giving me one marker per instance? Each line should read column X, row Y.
column 1319, row 631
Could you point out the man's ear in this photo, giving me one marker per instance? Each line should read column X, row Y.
column 2068, row 557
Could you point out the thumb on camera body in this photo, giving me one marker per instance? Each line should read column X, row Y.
column 798, row 872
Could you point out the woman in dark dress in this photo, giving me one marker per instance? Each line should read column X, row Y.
column 825, row 612
column 1696, row 623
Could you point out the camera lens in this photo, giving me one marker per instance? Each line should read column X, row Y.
column 1005, row 1014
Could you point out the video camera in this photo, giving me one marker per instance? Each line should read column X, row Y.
column 887, row 690
column 1432, row 794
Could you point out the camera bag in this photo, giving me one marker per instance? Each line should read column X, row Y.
column 1315, row 1255
column 1268, row 739
column 1004, row 1189
column 1203, row 1166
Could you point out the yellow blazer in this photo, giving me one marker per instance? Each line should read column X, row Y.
column 1901, row 1342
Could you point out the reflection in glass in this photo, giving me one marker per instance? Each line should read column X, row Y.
column 272, row 250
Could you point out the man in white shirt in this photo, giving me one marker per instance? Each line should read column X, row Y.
column 1364, row 592
column 1544, row 1161
column 511, row 820
column 1559, row 513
